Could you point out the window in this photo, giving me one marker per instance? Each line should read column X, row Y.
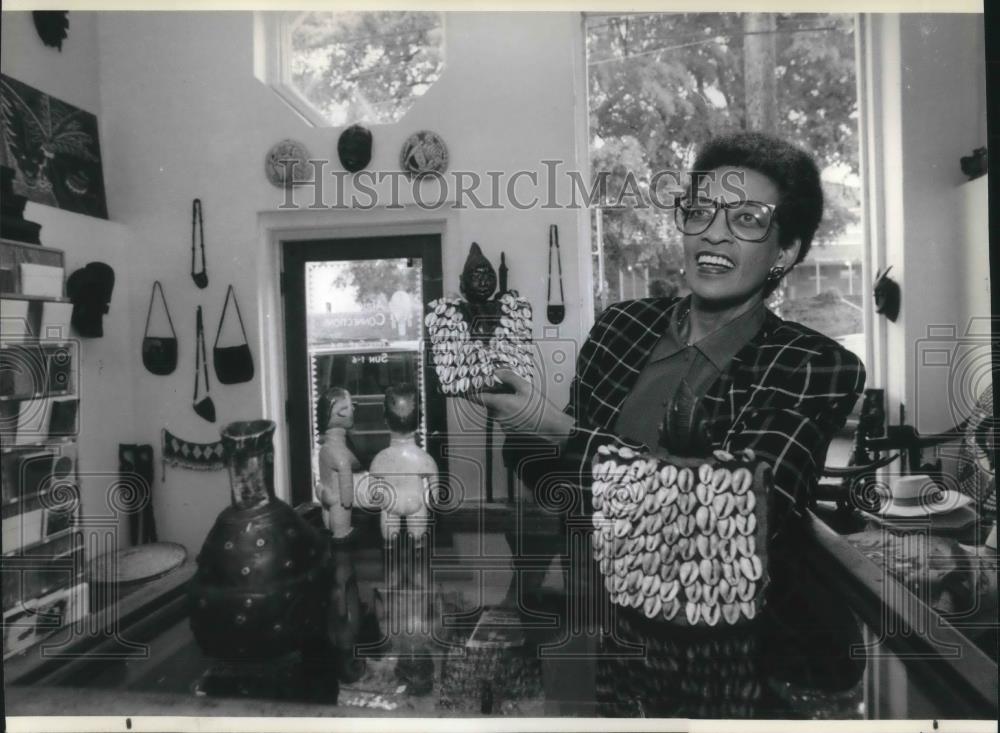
column 338, row 69
column 660, row 84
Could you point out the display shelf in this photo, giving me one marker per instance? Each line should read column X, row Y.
column 24, row 549
column 50, row 443
column 35, row 342
column 9, row 295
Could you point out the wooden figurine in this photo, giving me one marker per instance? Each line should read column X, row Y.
column 337, row 463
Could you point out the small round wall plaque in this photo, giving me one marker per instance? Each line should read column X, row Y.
column 283, row 160
column 423, row 152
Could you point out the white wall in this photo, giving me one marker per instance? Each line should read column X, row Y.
column 70, row 74
column 186, row 118
column 933, row 112
column 105, row 376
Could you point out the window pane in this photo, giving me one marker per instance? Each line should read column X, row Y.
column 364, row 67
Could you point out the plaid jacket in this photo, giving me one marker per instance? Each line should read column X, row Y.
column 784, row 394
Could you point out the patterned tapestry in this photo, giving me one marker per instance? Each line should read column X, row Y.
column 53, row 148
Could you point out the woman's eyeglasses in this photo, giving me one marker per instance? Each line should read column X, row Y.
column 748, row 220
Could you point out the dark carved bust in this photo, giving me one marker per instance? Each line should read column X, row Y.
column 478, row 283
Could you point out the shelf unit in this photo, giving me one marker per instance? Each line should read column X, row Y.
column 42, row 549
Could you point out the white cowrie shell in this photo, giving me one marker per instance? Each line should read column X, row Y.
column 606, row 565
column 704, row 494
column 742, row 479
column 705, row 570
column 604, row 450
column 741, row 523
column 652, row 606
column 710, row 594
column 740, row 545
column 639, row 528
column 748, row 609
column 635, row 470
column 725, row 548
column 705, row 473
column 722, row 455
column 692, row 593
column 655, row 524
column 646, row 584
column 621, row 566
column 746, row 567
column 731, row 572
column 670, row 532
column 598, row 519
column 672, row 495
column 622, row 527
column 710, row 613
column 731, row 613
column 598, row 486
column 635, row 492
column 670, row 609
column 690, row 551
column 668, row 475
column 636, row 600
column 660, row 498
column 689, row 572
column 725, row 528
column 596, row 541
column 627, row 453
column 705, row 548
column 751, row 546
column 669, row 571
column 653, row 542
column 723, row 505
column 750, row 502
column 750, row 525
column 669, row 590
column 693, row 613
column 716, row 572
column 597, row 501
column 723, row 587
column 746, row 589
column 620, row 584
column 634, row 511
column 722, row 479
column 687, row 503
column 649, row 503
column 685, row 480
column 756, row 567
column 690, row 525
column 633, row 579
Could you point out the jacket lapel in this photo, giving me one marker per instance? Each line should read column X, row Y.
column 636, row 346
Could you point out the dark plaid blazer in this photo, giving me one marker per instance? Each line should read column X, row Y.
column 784, row 394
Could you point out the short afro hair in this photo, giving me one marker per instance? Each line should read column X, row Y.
column 792, row 170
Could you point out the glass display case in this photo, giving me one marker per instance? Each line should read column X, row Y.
column 474, row 638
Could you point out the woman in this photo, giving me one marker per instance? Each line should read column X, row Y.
column 771, row 385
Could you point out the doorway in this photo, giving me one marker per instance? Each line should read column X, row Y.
column 354, row 311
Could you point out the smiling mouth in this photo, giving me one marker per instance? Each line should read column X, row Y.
column 714, row 263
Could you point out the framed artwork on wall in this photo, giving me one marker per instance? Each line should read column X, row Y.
column 53, row 148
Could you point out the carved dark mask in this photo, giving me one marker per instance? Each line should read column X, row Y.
column 354, row 148
column 479, row 279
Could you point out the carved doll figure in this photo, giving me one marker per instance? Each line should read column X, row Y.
column 403, row 475
column 337, row 463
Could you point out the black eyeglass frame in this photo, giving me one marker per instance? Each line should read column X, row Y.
column 717, row 204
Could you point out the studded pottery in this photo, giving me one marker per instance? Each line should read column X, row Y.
column 263, row 580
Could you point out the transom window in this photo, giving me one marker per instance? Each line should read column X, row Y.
column 338, row 69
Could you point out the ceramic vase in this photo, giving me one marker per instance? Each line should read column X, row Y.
column 262, row 586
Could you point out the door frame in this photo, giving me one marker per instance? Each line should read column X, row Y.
column 294, row 254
